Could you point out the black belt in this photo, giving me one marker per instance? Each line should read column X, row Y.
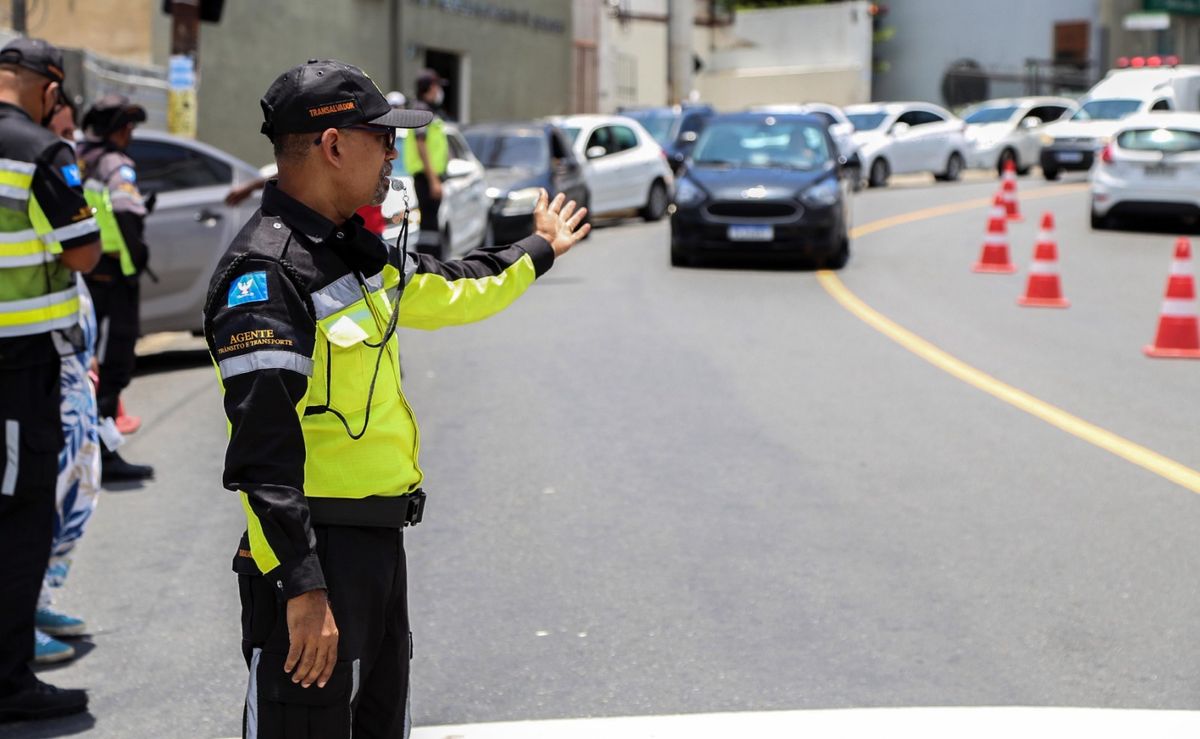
column 393, row 512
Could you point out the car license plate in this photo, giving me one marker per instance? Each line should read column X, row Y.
column 1160, row 170
column 1070, row 156
column 751, row 233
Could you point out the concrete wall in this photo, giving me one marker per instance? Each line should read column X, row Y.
column 635, row 45
column 790, row 55
column 932, row 34
column 119, row 29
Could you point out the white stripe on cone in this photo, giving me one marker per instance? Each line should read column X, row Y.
column 1179, row 308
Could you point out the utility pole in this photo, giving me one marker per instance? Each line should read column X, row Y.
column 681, row 22
column 18, row 16
column 184, row 66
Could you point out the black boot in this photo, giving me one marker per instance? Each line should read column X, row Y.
column 42, row 701
column 115, row 469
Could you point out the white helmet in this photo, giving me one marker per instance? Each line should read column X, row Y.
column 396, row 99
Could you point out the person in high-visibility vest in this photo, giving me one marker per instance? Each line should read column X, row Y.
column 426, row 156
column 110, row 185
column 301, row 322
column 47, row 235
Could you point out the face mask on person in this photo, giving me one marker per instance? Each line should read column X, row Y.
column 439, row 97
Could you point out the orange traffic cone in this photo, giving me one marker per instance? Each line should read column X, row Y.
column 994, row 257
column 1178, row 328
column 1043, row 289
column 1009, row 188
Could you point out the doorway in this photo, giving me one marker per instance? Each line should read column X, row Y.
column 450, row 66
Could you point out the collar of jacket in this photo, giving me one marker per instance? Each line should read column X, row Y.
column 360, row 249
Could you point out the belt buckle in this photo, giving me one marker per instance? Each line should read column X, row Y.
column 416, row 508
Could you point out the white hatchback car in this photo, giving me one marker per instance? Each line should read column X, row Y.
column 1150, row 168
column 905, row 138
column 624, row 166
column 1010, row 129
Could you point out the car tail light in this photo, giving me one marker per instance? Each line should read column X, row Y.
column 1137, row 62
column 1122, row 62
column 1106, row 156
column 1154, row 61
column 1171, row 61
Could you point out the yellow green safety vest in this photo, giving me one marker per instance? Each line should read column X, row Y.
column 436, row 146
column 37, row 294
column 111, row 240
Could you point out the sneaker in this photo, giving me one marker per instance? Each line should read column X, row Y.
column 47, row 650
column 41, row 701
column 57, row 623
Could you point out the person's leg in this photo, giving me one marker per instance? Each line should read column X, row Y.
column 25, row 530
column 117, row 356
column 383, row 704
column 429, row 238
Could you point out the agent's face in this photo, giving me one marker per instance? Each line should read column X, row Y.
column 368, row 153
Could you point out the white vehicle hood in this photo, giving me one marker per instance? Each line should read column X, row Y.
column 1082, row 129
column 985, row 134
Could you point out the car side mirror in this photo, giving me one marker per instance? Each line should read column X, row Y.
column 595, row 152
column 689, row 137
column 1031, row 122
column 899, row 129
column 458, row 168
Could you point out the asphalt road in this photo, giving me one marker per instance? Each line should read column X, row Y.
column 663, row 491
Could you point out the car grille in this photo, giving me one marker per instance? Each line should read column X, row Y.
column 749, row 209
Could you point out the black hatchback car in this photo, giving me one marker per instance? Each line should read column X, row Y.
column 518, row 159
column 763, row 183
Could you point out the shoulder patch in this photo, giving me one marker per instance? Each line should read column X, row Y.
column 249, row 288
column 127, row 173
column 70, row 173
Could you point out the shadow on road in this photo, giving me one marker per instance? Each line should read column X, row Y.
column 169, row 361
column 69, row 726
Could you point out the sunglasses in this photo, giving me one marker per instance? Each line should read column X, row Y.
column 387, row 133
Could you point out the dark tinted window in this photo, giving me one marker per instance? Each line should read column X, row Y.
column 602, row 136
column 748, row 143
column 1047, row 113
column 164, row 167
column 624, row 138
column 1163, row 104
column 922, row 117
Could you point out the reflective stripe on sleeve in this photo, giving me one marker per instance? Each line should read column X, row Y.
column 18, row 167
column 74, row 230
column 41, row 314
column 14, row 194
column 265, row 359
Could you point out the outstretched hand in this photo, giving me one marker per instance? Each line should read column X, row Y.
column 558, row 223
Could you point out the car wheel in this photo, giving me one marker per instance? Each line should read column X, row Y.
column 1050, row 174
column 656, row 203
column 880, row 171
column 1006, row 156
column 954, row 168
column 854, row 174
column 680, row 257
column 838, row 259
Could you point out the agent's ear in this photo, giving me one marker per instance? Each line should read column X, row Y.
column 51, row 97
column 330, row 140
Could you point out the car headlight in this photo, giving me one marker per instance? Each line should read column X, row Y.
column 520, row 202
column 689, row 193
column 1046, row 139
column 824, row 193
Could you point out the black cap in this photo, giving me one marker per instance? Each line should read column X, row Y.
column 427, row 78
column 111, row 112
column 36, row 55
column 330, row 94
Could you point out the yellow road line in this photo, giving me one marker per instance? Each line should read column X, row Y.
column 1089, row 432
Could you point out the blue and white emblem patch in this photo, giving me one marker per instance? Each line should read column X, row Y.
column 70, row 173
column 249, row 288
column 127, row 173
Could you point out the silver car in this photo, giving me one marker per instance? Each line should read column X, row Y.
column 190, row 227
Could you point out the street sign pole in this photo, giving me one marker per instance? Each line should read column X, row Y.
column 183, row 68
column 18, row 16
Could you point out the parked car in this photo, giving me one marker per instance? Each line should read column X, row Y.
column 840, row 128
column 1010, row 130
column 463, row 216
column 190, row 226
column 675, row 128
column 763, row 183
column 624, row 166
column 1150, row 168
column 1072, row 144
column 519, row 159
column 904, row 138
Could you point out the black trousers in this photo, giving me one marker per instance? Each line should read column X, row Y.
column 116, row 300
column 367, row 697
column 429, row 240
column 30, row 440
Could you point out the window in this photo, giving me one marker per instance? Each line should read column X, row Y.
column 602, row 137
column 166, row 167
column 1163, row 104
column 624, row 138
column 925, row 116
column 1047, row 113
column 458, row 147
column 787, row 145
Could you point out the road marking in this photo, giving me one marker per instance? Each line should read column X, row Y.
column 1089, row 432
column 930, row 723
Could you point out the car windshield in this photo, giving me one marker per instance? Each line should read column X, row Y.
column 762, row 143
column 867, row 121
column 1106, row 110
column 526, row 150
column 572, row 133
column 991, row 114
column 1169, row 140
column 658, row 122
